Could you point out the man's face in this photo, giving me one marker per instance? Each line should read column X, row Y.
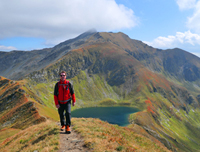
column 63, row 76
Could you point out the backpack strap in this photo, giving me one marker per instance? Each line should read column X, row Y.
column 58, row 86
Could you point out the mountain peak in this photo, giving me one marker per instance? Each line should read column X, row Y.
column 93, row 30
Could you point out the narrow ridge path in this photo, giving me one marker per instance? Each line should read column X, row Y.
column 72, row 142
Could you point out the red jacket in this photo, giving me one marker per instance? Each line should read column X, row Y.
column 63, row 92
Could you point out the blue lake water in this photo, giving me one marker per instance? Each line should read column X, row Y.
column 113, row 115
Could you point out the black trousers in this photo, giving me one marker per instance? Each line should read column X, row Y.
column 65, row 113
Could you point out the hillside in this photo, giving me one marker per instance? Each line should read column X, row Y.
column 40, row 137
column 163, row 84
column 23, row 62
column 20, row 108
column 16, row 110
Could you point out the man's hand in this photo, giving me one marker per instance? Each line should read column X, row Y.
column 73, row 103
column 58, row 106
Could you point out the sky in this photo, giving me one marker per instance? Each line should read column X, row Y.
column 36, row 24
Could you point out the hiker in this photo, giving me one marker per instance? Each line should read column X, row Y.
column 63, row 93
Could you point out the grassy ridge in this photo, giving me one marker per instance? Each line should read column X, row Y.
column 168, row 115
column 42, row 137
column 42, row 95
column 102, row 136
column 185, row 130
column 98, row 136
column 6, row 133
column 17, row 111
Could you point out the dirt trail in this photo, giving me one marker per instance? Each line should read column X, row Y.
column 72, row 142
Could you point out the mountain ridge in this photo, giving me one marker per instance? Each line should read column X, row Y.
column 16, row 110
column 137, row 49
column 20, row 63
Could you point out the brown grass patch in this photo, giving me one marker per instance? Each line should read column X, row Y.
column 42, row 137
column 5, row 133
column 102, row 136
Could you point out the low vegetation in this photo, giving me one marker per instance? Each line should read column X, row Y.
column 98, row 135
column 6, row 133
column 102, row 136
column 42, row 137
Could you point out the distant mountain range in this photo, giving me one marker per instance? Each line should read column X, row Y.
column 110, row 68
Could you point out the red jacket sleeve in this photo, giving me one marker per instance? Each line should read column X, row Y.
column 73, row 98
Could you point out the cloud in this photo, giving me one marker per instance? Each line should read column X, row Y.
column 193, row 22
column 179, row 40
column 186, row 4
column 63, row 19
column 6, row 48
column 195, row 53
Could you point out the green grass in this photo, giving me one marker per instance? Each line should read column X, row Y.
column 93, row 88
column 108, row 102
column 184, row 131
column 43, row 91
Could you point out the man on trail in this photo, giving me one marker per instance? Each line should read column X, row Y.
column 63, row 93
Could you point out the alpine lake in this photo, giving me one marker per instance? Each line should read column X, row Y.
column 113, row 115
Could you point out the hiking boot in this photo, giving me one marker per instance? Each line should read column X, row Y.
column 62, row 128
column 68, row 130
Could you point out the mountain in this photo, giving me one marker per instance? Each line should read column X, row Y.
column 16, row 64
column 110, row 68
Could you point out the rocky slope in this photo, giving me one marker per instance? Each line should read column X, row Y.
column 16, row 110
